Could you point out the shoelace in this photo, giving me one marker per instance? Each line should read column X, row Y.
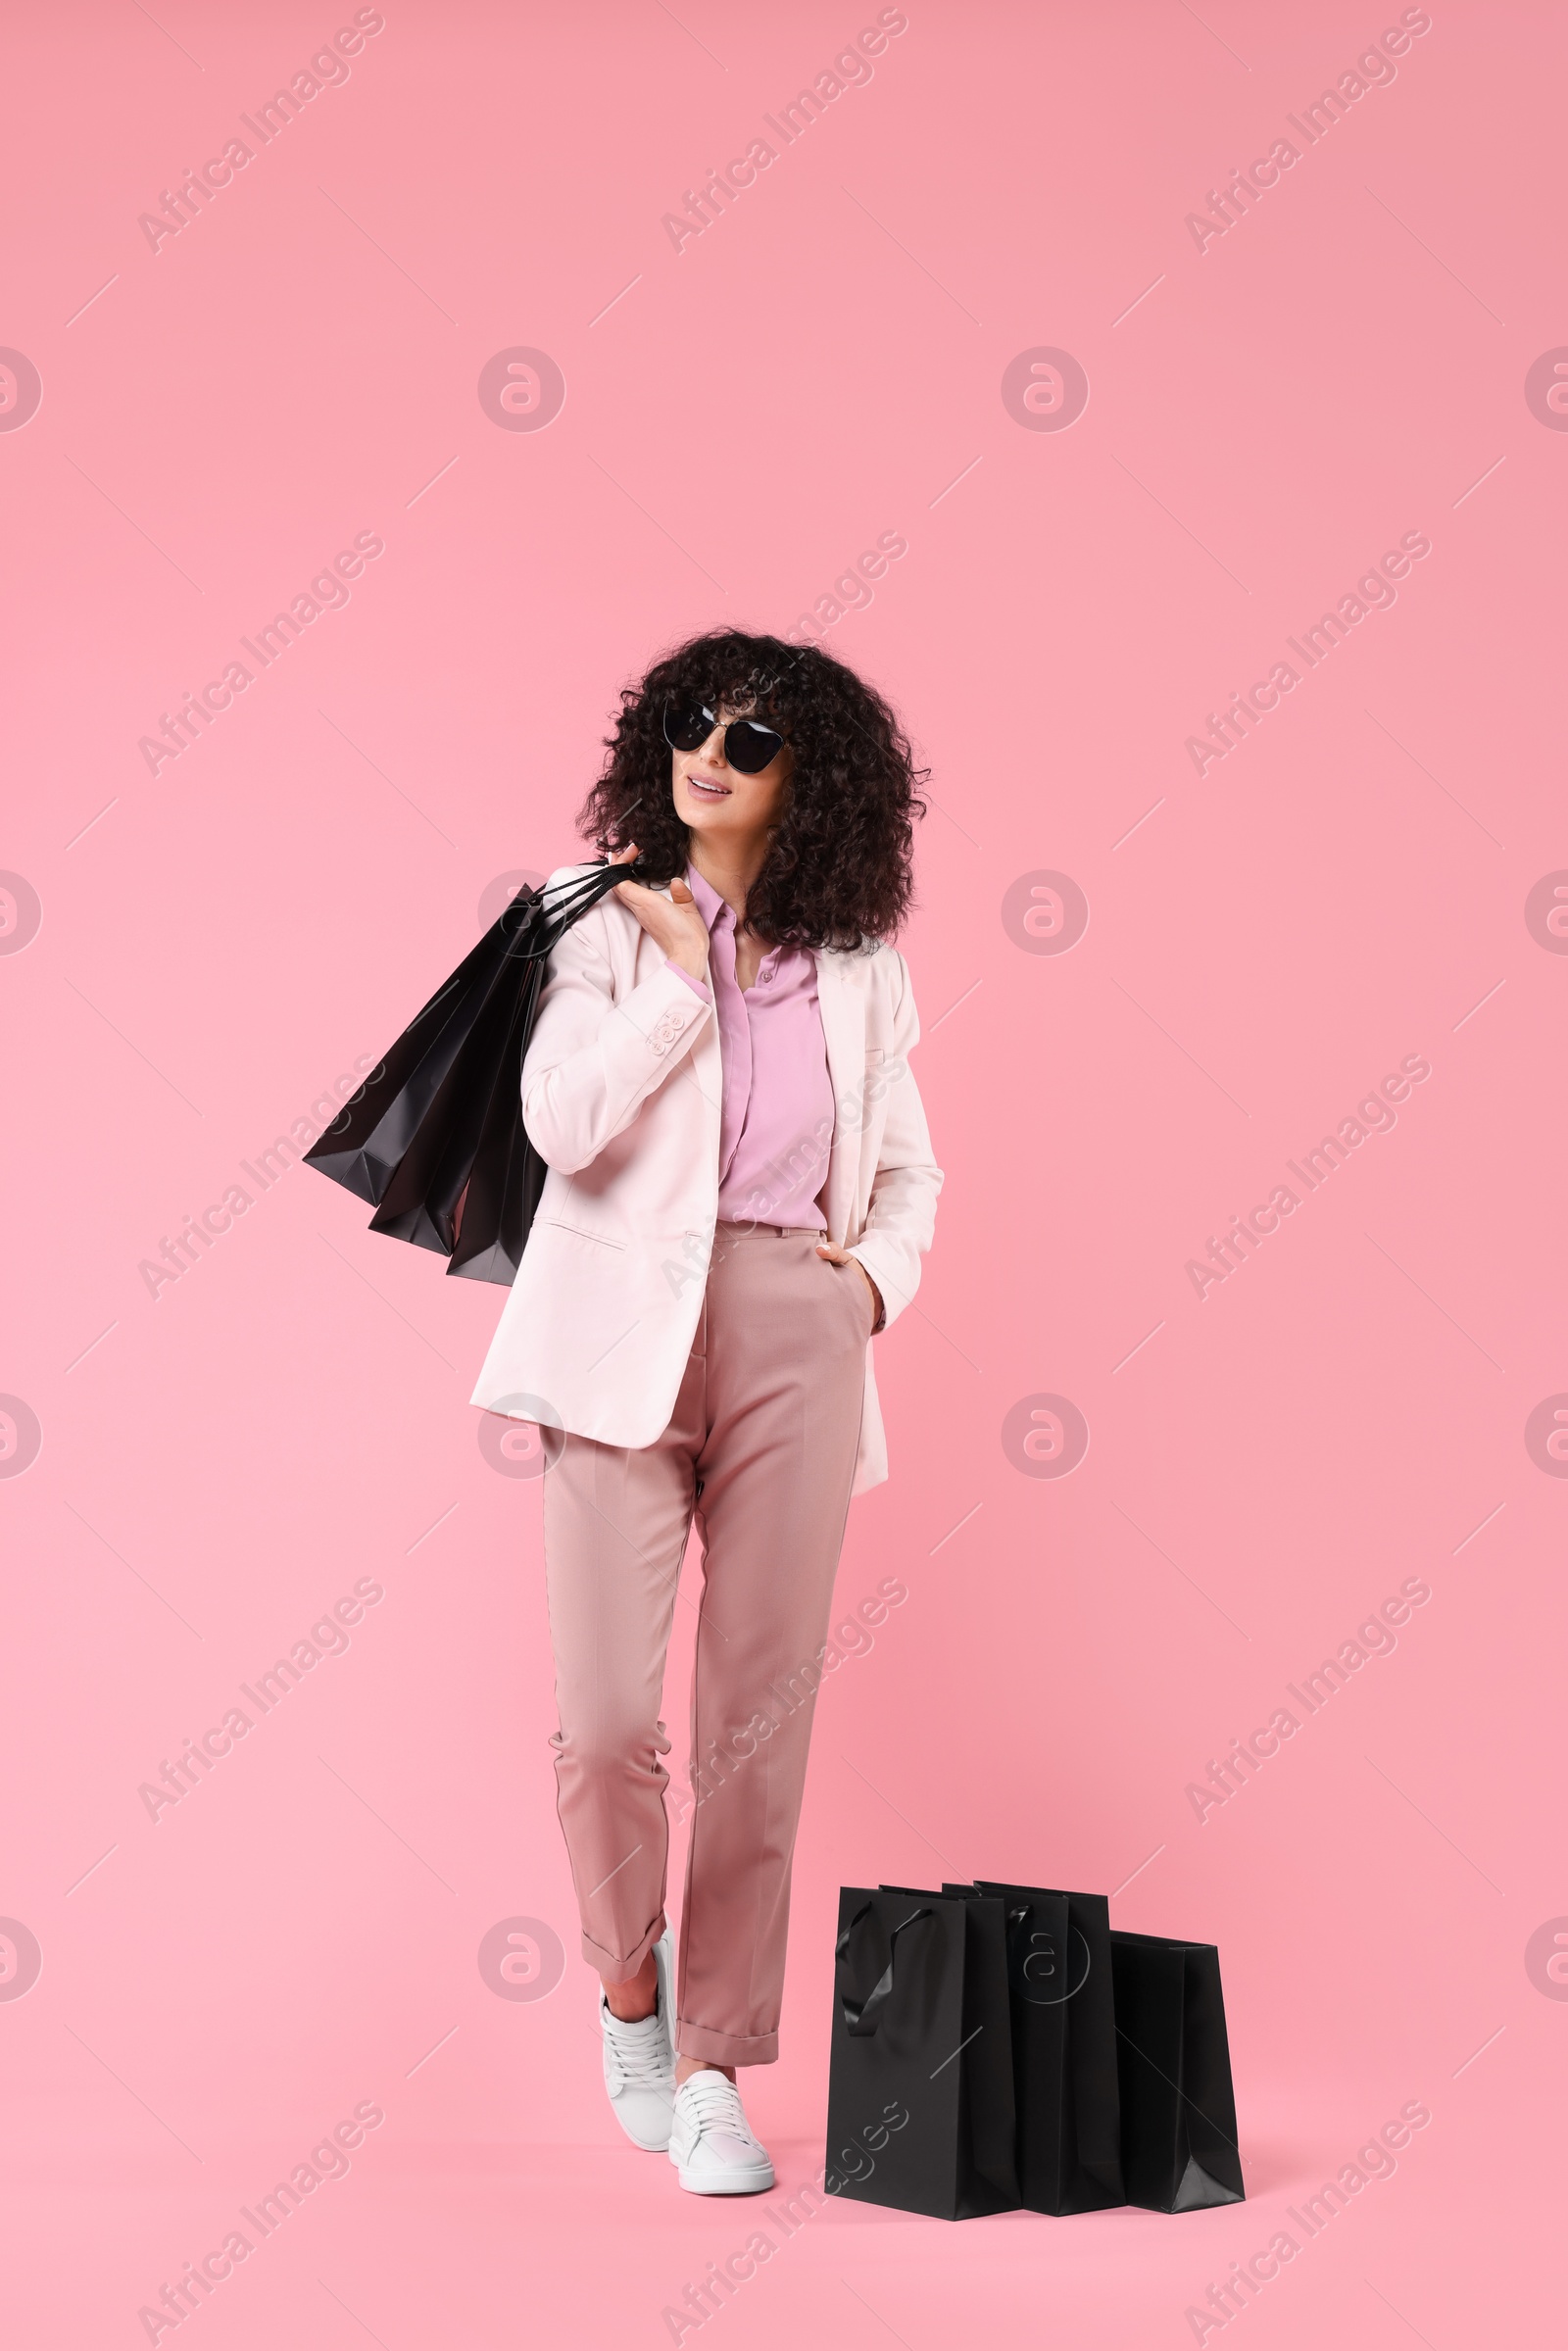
column 715, row 2104
column 641, row 2058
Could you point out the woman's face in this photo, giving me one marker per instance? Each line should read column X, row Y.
column 716, row 801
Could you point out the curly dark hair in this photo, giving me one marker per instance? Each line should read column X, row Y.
column 838, row 870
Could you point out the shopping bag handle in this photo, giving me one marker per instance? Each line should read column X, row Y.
column 862, row 2017
column 570, row 901
column 1017, row 1920
column 603, row 873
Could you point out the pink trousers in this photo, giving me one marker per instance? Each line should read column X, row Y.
column 760, row 1447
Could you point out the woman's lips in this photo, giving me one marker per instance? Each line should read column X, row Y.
column 701, row 789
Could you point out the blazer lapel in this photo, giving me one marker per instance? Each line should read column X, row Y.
column 843, row 1010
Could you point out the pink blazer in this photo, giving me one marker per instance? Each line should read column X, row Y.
column 621, row 1089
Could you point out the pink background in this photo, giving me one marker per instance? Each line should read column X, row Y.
column 1265, row 1465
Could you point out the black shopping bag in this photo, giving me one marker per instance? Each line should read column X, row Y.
column 919, row 2106
column 1178, row 2109
column 1063, row 2048
column 434, row 1138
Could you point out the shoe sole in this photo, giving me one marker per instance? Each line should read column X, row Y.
column 756, row 2181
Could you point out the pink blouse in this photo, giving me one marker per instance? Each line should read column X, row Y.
column 776, row 1120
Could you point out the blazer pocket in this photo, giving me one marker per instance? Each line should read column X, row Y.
column 562, row 1224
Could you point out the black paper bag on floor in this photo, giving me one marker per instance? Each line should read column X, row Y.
column 1063, row 2048
column 920, row 2108
column 1178, row 2108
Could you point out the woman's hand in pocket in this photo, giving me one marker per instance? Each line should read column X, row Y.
column 841, row 1257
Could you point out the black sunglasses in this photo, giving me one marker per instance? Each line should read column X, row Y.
column 748, row 747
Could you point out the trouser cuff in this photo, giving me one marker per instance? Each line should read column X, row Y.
column 725, row 2048
column 621, row 1970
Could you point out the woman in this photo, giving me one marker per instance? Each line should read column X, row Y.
column 739, row 1188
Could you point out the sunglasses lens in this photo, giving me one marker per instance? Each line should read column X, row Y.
column 687, row 728
column 747, row 745
column 752, row 747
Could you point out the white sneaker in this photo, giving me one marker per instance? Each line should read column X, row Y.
column 639, row 2061
column 711, row 2144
